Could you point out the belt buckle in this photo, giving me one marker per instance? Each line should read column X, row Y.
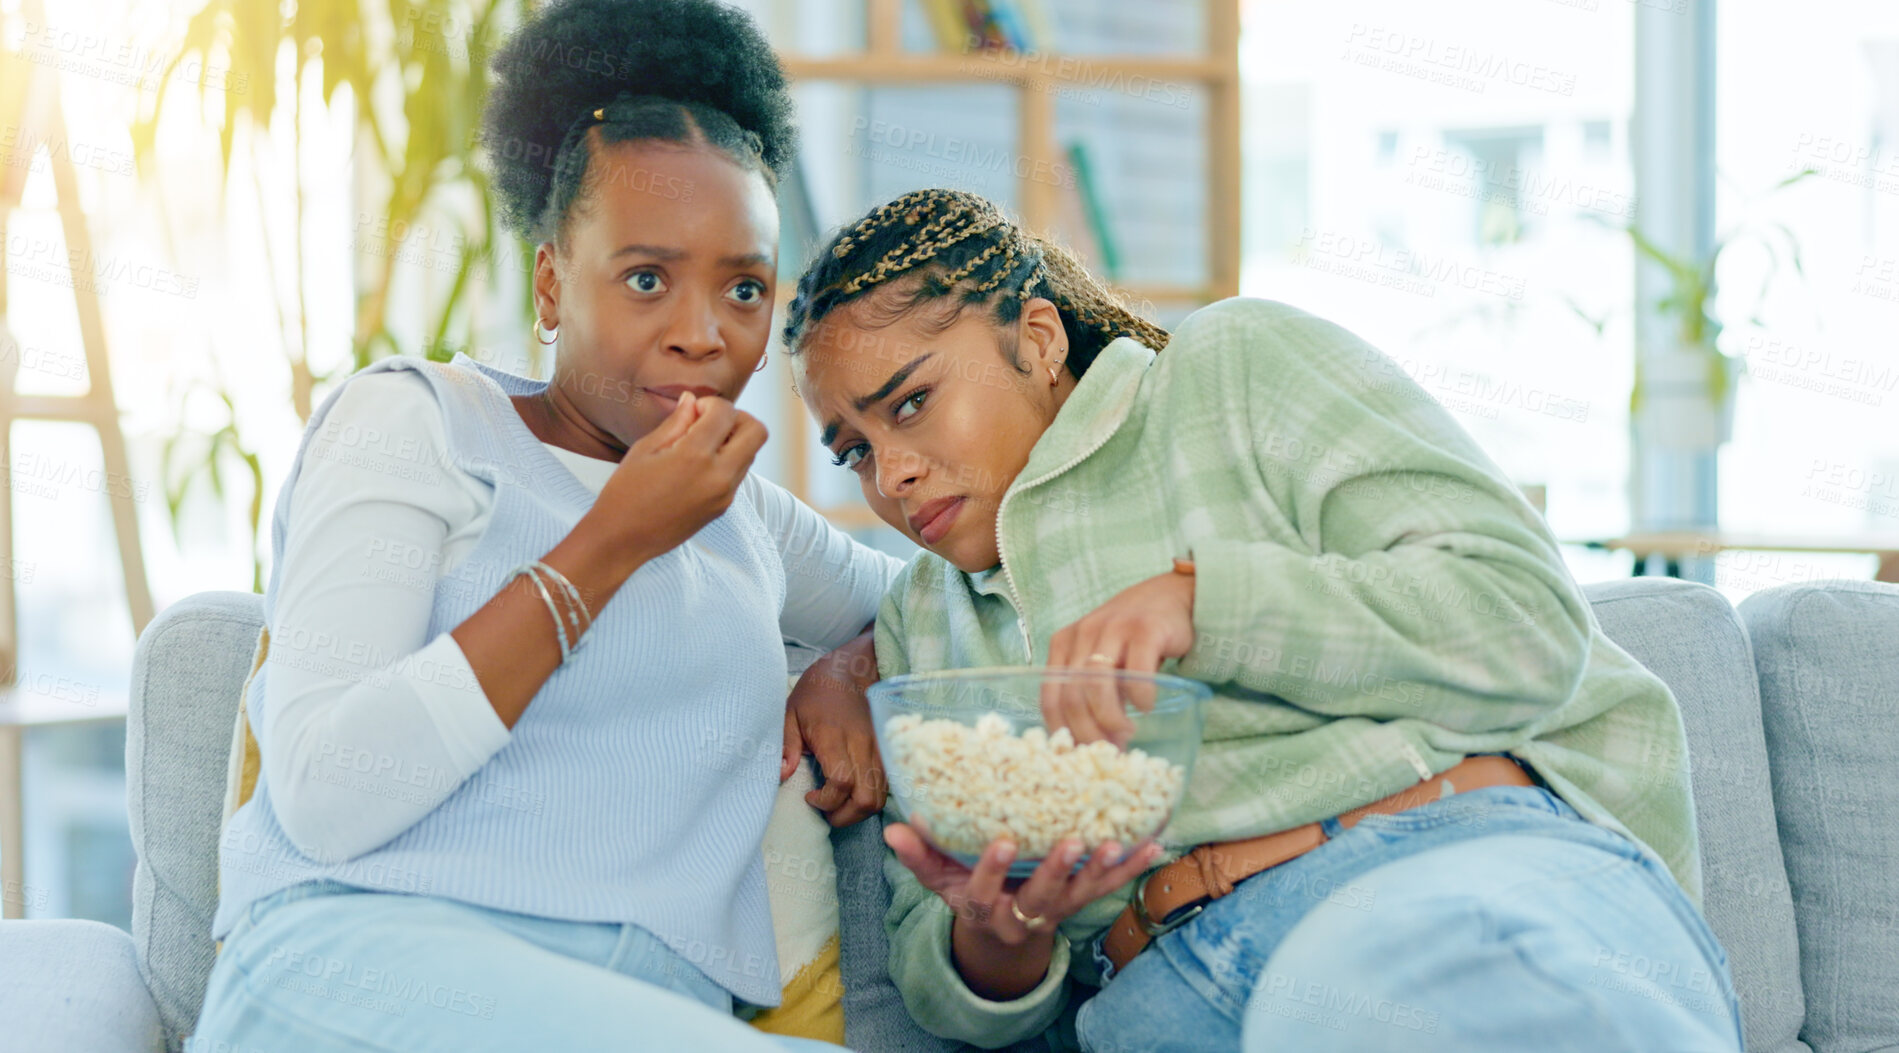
column 1165, row 925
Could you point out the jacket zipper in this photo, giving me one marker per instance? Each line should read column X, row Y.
column 1002, row 555
column 1008, row 578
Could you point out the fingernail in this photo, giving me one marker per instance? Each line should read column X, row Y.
column 1071, row 852
column 1005, row 852
column 1112, row 852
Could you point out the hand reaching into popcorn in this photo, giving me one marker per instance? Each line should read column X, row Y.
column 1142, row 626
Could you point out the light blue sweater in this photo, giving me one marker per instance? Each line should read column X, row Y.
column 634, row 787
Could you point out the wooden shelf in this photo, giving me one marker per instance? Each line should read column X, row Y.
column 1038, row 79
column 1168, row 293
column 1007, row 67
column 1134, row 294
column 851, row 517
column 1034, row 74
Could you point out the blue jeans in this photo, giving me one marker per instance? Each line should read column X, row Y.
column 322, row 966
column 1496, row 919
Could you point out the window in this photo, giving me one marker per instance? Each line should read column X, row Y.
column 1448, row 183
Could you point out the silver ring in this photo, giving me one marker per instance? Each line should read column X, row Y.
column 1029, row 923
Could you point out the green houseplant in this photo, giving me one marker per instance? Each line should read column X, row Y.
column 411, row 76
column 1695, row 357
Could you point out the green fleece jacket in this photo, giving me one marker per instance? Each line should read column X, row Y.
column 1374, row 601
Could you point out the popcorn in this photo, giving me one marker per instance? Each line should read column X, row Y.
column 971, row 785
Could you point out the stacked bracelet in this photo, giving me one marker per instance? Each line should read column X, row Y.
column 563, row 620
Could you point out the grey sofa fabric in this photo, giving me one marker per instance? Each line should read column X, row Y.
column 73, row 985
column 1690, row 636
column 1828, row 661
column 190, row 663
column 1821, row 729
column 874, row 1017
column 188, row 668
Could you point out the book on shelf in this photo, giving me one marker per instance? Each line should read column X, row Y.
column 1142, row 170
column 980, row 27
column 947, row 24
column 961, row 26
column 1085, row 193
column 1008, row 17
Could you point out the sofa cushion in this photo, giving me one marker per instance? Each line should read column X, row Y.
column 874, row 1017
column 190, row 760
column 1829, row 680
column 74, row 985
column 1689, row 635
column 189, row 662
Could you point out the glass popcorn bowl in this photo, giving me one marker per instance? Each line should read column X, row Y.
column 970, row 759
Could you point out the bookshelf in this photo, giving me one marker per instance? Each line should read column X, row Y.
column 1034, row 84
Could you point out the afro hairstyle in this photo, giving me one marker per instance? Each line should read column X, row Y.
column 672, row 70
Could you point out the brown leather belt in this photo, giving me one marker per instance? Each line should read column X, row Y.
column 1177, row 892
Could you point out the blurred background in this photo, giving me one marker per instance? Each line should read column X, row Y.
column 1646, row 251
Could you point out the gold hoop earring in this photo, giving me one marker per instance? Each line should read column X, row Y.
column 760, row 367
column 552, row 334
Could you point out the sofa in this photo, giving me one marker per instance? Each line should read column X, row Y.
column 1791, row 703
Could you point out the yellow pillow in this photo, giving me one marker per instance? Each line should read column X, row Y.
column 800, row 879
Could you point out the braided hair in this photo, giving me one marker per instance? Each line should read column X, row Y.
column 950, row 243
column 681, row 71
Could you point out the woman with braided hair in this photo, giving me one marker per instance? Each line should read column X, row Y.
column 1435, row 809
column 522, row 697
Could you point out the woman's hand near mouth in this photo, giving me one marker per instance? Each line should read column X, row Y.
column 693, row 407
column 696, row 457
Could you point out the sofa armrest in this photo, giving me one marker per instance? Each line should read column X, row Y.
column 69, row 984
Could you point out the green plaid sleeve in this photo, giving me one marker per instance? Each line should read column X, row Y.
column 918, row 926
column 1427, row 586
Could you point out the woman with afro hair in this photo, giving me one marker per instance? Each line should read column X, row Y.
column 520, row 699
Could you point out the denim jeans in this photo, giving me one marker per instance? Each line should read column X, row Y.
column 323, row 966
column 1496, row 919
